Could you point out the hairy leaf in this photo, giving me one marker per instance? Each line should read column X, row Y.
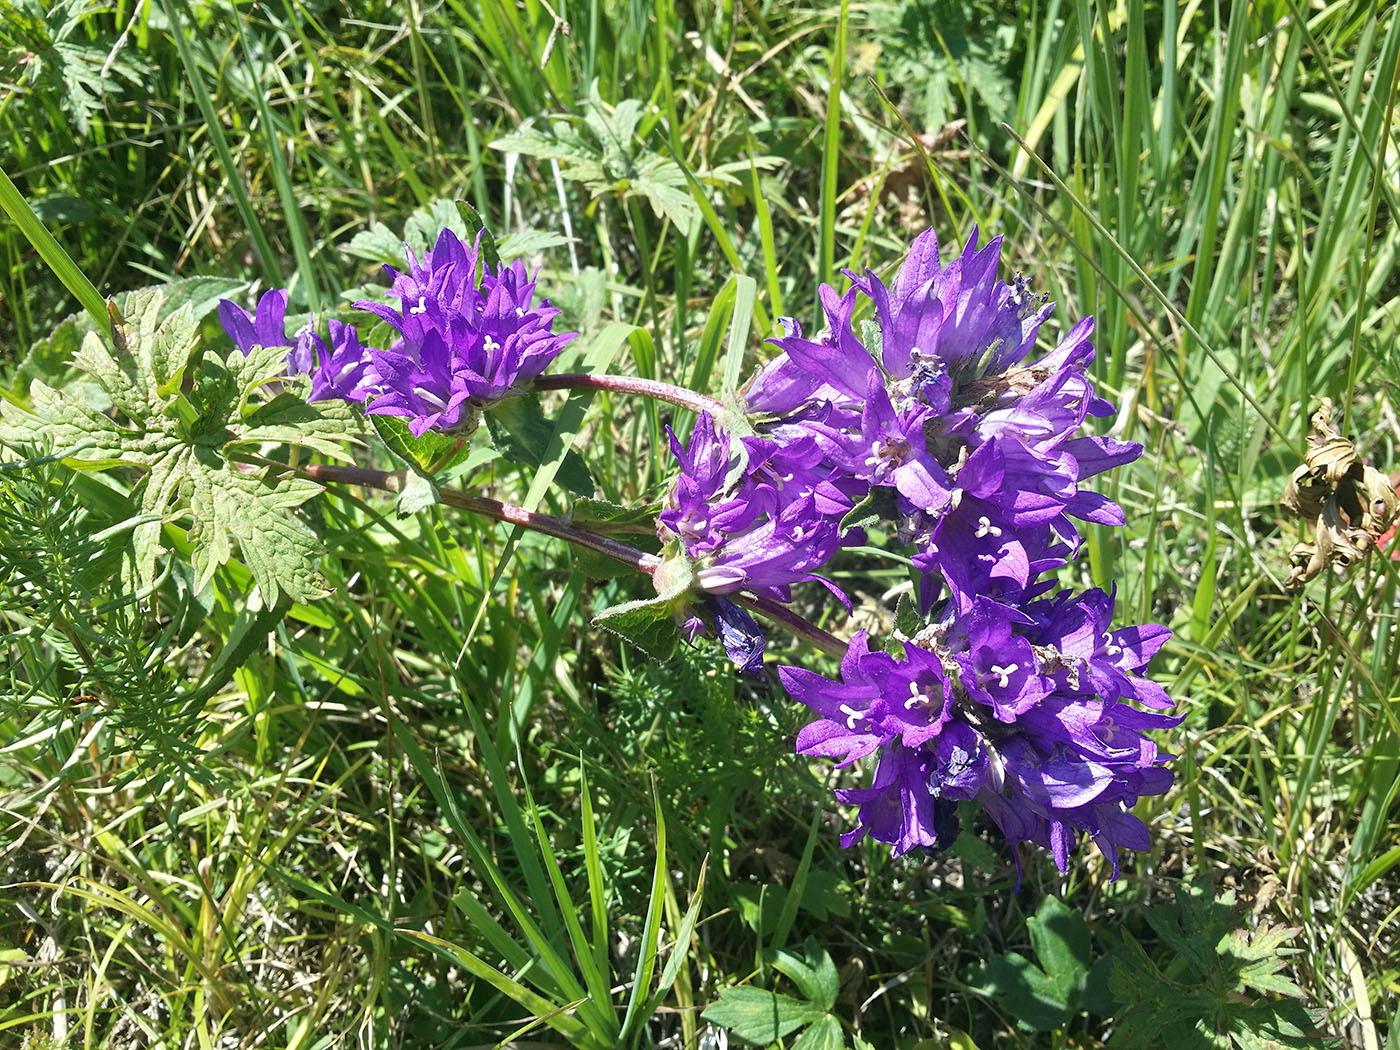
column 135, row 408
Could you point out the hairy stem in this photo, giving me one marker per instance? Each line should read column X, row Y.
column 781, row 614
column 392, row 481
column 676, row 395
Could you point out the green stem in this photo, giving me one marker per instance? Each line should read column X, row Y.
column 676, row 395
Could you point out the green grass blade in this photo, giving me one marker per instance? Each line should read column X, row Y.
column 651, row 927
column 745, row 290
column 205, row 102
column 296, row 225
column 831, row 153
column 55, row 258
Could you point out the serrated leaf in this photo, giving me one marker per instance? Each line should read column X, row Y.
column 277, row 548
column 872, row 337
column 862, row 514
column 759, row 1016
column 418, row 493
column 813, row 972
column 1061, row 941
column 1262, row 954
column 191, row 442
column 518, row 428
column 51, row 358
column 477, row 229
column 908, row 620
column 421, row 229
column 646, row 623
column 377, row 244
column 529, row 242
column 599, row 515
column 663, row 184
column 562, row 143
column 432, row 453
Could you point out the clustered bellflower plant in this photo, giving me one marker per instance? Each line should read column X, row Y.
column 925, row 412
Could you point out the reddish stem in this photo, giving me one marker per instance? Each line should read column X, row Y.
column 561, row 529
column 490, row 508
column 676, row 395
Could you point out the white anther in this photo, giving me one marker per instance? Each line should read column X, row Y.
column 986, row 528
column 873, row 460
column 1004, row 673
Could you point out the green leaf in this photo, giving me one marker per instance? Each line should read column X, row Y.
column 476, row 227
column 1061, row 941
column 599, row 515
column 529, row 242
column 824, row 1034
column 228, row 505
column 814, row 973
column 647, row 624
column 419, row 492
column 193, row 443
column 759, row 1016
column 433, row 453
column 908, row 620
column 422, row 228
column 1017, row 984
column 872, row 337
column 378, row 244
column 518, row 428
column 664, row 186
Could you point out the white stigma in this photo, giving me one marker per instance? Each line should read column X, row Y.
column 1004, row 673
column 917, row 698
column 491, row 346
column 422, row 306
column 873, row 460
column 852, row 715
column 986, row 528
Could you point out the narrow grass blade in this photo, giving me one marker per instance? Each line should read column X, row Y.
column 595, row 977
column 745, row 290
column 296, row 225
column 55, row 258
column 651, row 928
column 831, row 152
column 205, row 102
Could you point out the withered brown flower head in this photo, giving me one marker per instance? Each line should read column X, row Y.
column 1348, row 504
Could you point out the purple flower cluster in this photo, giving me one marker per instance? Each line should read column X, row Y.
column 342, row 370
column 939, row 404
column 468, row 335
column 754, row 516
column 1025, row 711
column 940, row 419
